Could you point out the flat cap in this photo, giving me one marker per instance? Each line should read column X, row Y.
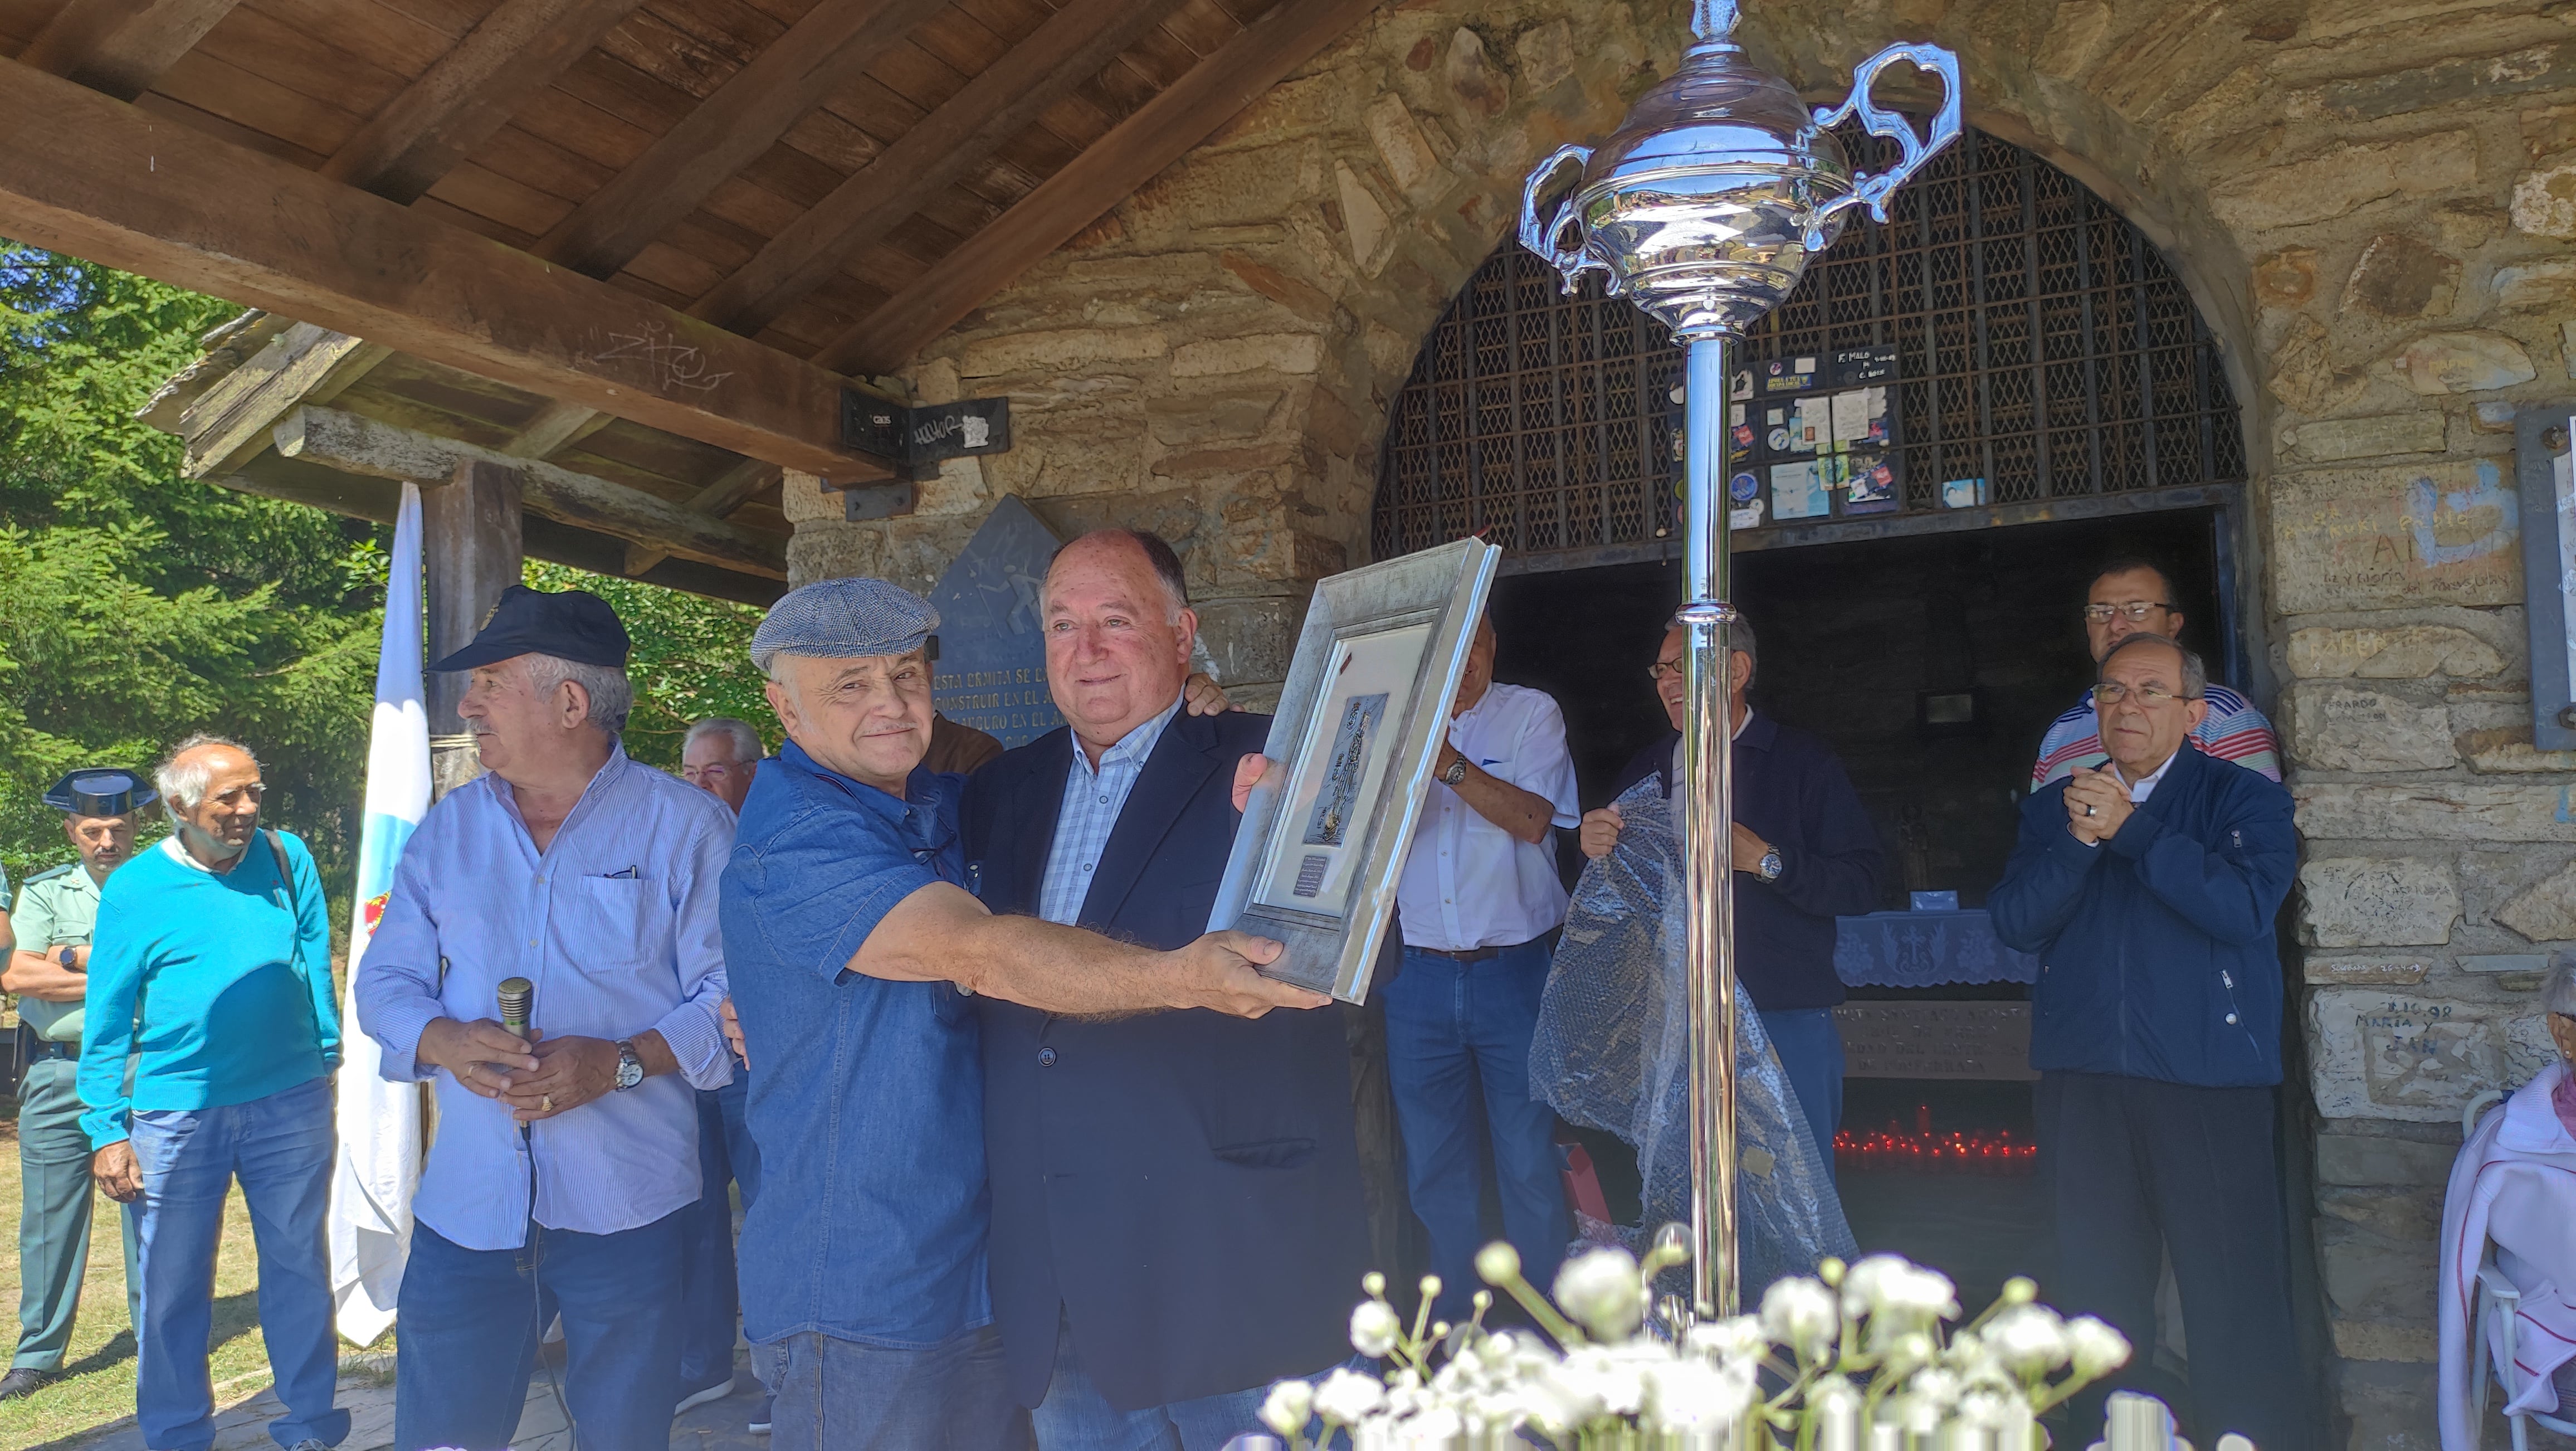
column 843, row 617
column 571, row 624
column 101, row 791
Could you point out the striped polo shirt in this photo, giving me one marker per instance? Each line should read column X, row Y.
column 2232, row 731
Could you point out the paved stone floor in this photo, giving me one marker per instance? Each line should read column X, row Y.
column 369, row 1395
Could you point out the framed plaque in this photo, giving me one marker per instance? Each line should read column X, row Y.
column 1361, row 719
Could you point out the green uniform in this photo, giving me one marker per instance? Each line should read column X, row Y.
column 56, row 909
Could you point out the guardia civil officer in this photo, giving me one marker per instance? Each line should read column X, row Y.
column 49, row 973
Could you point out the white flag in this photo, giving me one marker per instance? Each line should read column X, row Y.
column 379, row 1122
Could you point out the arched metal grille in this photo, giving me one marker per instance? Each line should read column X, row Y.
column 2043, row 346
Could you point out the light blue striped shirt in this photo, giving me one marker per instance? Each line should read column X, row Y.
column 1093, row 797
column 616, row 924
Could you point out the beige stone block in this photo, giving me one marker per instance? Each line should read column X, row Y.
column 2505, row 750
column 2305, row 374
column 2544, row 201
column 1546, row 53
column 2474, row 361
column 2546, row 911
column 2343, row 178
column 1390, row 353
column 2286, row 278
column 2405, row 1215
column 2393, row 537
column 2364, row 971
column 958, row 488
column 2417, row 1056
column 1249, row 641
column 2371, row 1279
column 1052, row 351
column 2402, row 652
column 803, row 499
column 2400, row 278
column 2376, row 902
column 1298, row 353
column 2373, row 1161
column 2338, row 728
column 1196, row 418
column 2567, row 346
column 2536, row 286
column 1364, row 221
column 1480, row 89
column 935, row 382
column 1409, row 158
column 834, row 550
column 2335, row 440
column 2409, row 1341
column 2077, row 36
column 2447, row 810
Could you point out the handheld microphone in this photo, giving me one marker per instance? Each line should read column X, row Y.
column 516, row 995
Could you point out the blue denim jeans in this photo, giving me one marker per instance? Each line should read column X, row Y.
column 1075, row 1416
column 470, row 1322
column 1455, row 1030
column 709, row 1298
column 279, row 1147
column 1811, row 1053
column 840, row 1395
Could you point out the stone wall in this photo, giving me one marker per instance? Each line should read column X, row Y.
column 2370, row 199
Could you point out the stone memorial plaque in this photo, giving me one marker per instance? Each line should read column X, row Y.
column 1936, row 1040
column 2401, row 1055
column 992, row 645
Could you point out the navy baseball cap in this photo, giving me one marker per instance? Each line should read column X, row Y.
column 572, row 624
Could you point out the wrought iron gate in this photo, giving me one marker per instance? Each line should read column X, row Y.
column 2044, row 351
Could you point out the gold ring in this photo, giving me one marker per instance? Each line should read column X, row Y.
column 546, row 1103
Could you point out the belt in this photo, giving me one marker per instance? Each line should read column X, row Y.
column 42, row 1048
column 1485, row 954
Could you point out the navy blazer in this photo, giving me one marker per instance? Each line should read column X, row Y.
column 1186, row 1185
column 2157, row 953
column 1791, row 792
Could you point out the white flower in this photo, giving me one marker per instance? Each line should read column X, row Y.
column 1918, row 1295
column 2029, row 1339
column 1497, row 1262
column 1863, row 1283
column 1286, row 1408
column 1801, row 1314
column 1986, row 1409
column 1375, row 1328
column 1437, row 1427
column 2093, row 1348
column 1600, row 1290
column 1346, row 1396
column 1739, row 1338
column 1683, row 1395
column 1615, row 1384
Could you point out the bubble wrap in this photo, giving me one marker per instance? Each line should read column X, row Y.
column 1612, row 1048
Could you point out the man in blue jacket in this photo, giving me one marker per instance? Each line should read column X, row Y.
column 2148, row 889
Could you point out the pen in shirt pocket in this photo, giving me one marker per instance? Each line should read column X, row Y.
column 627, row 874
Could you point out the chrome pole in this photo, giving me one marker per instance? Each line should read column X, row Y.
column 1708, row 816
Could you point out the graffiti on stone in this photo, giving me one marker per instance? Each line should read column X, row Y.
column 2405, row 1056
column 2392, row 537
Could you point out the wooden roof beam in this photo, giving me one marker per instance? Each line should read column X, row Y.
column 121, row 46
column 359, row 445
column 729, row 492
column 94, row 177
column 229, row 423
column 1185, row 114
column 818, row 55
column 467, row 94
column 1073, row 45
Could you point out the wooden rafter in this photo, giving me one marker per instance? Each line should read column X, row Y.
column 121, row 46
column 728, row 493
column 1159, row 132
column 1071, row 47
column 747, row 114
column 84, row 174
column 469, row 93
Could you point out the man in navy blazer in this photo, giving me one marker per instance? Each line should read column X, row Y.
column 1176, row 1197
column 2148, row 888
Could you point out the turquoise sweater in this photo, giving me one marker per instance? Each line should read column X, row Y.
column 221, row 985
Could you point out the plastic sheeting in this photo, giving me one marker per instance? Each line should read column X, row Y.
column 1612, row 1046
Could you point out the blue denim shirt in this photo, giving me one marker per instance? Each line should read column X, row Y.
column 866, row 1096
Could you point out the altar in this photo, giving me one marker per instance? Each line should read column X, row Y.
column 1985, row 1038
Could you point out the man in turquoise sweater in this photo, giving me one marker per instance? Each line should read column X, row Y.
column 211, row 973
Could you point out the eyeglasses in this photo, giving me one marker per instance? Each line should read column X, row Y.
column 2136, row 610
column 1664, row 669
column 2150, row 697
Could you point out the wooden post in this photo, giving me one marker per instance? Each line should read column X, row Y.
column 471, row 552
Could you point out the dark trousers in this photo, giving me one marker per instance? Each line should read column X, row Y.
column 709, row 1295
column 471, row 1321
column 2141, row 1170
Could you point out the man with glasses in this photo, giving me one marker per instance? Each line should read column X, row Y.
column 2135, row 597
column 2148, row 889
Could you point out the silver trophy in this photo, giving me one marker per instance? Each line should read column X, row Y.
column 1704, row 209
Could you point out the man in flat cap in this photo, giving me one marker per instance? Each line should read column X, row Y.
column 49, row 973
column 854, row 948
column 567, row 1155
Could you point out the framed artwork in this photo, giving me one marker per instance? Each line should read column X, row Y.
column 1361, row 718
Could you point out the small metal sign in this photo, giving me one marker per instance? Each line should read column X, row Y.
column 1936, row 1039
column 916, row 440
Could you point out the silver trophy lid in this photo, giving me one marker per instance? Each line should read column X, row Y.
column 1720, row 113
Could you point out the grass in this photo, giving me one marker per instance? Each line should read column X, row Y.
column 98, row 1387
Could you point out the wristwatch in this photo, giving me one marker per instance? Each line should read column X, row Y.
column 1454, row 772
column 1769, row 867
column 630, row 1069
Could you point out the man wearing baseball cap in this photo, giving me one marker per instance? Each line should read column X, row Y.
column 854, row 948
column 49, row 974
column 567, row 1151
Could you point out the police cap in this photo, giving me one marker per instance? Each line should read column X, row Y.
column 101, row 791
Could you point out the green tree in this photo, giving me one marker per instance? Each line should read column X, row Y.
column 691, row 660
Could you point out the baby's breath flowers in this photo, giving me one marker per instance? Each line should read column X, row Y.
column 1857, row 1353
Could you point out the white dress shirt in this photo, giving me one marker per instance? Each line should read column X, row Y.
column 615, row 923
column 2144, row 788
column 1468, row 883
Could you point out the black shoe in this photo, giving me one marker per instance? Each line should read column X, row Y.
column 24, row 1382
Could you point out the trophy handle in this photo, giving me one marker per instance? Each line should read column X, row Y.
column 1548, row 238
column 1875, row 190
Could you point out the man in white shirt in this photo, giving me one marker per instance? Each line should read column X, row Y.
column 1481, row 904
